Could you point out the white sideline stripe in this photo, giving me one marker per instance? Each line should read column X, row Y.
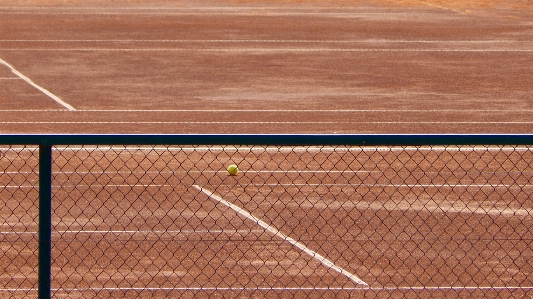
column 183, row 8
column 326, row 262
column 354, row 185
column 87, row 186
column 250, row 13
column 10, row 78
column 141, row 289
column 445, row 8
column 286, row 110
column 372, row 41
column 266, row 122
column 157, row 232
column 274, row 171
column 266, row 50
column 254, row 8
column 29, row 81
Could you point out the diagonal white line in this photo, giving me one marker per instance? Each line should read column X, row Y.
column 29, row 81
column 326, row 262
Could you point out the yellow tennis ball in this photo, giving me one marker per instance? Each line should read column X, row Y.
column 233, row 169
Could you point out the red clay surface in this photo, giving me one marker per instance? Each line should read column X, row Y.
column 415, row 223
column 267, row 67
column 412, row 224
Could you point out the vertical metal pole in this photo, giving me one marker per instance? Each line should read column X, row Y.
column 45, row 221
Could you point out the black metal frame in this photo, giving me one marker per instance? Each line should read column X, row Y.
column 269, row 139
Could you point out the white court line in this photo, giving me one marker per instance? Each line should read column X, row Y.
column 355, row 185
column 445, row 8
column 326, row 262
column 468, row 111
column 251, row 13
column 29, row 81
column 88, row 186
column 372, row 41
column 266, row 50
column 223, row 171
column 144, row 232
column 424, row 205
column 10, row 78
column 362, row 289
column 203, row 8
column 266, row 122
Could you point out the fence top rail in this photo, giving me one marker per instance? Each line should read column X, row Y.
column 268, row 139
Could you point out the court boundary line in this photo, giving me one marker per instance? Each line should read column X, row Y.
column 446, row 8
column 198, row 12
column 282, row 7
column 364, row 41
column 323, row 260
column 231, row 148
column 273, row 50
column 151, row 289
column 41, row 89
column 265, row 122
column 258, row 185
column 281, row 110
column 141, row 232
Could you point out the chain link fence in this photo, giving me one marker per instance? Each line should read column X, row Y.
column 19, row 185
column 310, row 219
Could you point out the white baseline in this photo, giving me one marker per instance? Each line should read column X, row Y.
column 268, row 50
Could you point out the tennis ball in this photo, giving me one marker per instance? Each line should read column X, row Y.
column 233, row 169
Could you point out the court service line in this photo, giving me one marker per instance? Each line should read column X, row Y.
column 267, row 50
column 142, row 232
column 503, row 110
column 445, row 8
column 258, row 185
column 303, row 41
column 324, row 261
column 425, row 205
column 251, row 13
column 180, row 289
column 207, row 8
column 454, row 288
column 29, row 81
column 353, row 186
column 319, row 171
column 268, row 122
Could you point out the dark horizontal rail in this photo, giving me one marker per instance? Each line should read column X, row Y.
column 268, row 139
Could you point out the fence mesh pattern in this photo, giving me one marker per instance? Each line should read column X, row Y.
column 319, row 222
column 19, row 210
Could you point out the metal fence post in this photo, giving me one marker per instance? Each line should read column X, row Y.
column 45, row 221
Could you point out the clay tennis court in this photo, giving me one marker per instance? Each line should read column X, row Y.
column 305, row 225
column 266, row 67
